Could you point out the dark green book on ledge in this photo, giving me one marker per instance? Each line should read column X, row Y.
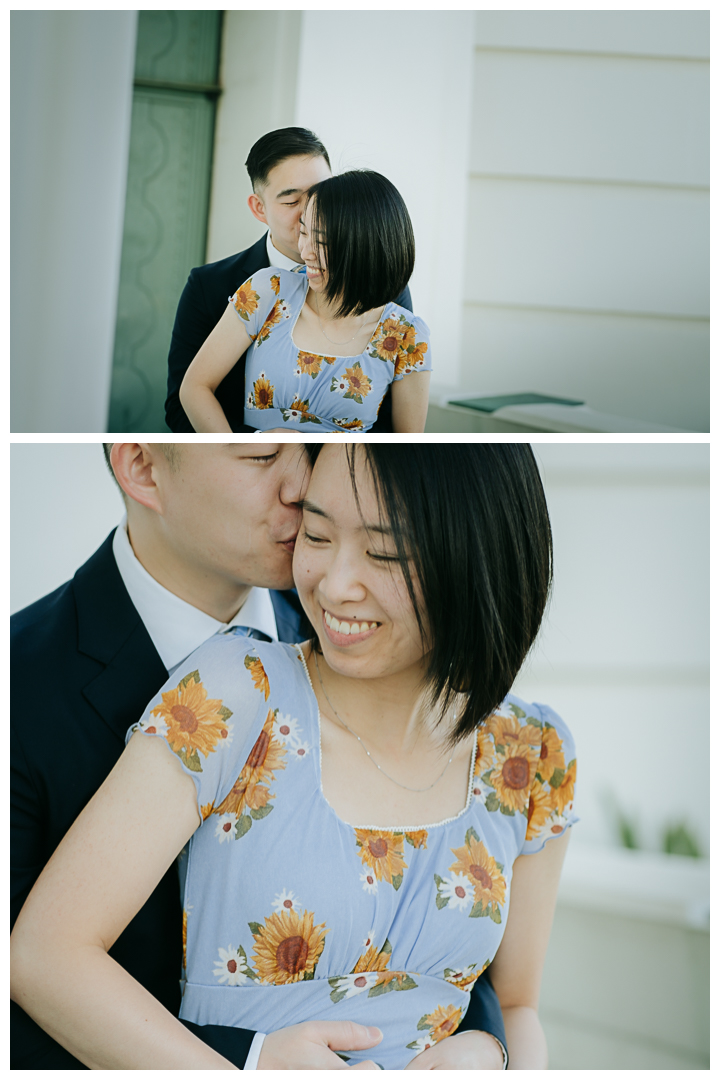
column 491, row 404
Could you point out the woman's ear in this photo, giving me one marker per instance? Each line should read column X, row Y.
column 134, row 465
column 257, row 208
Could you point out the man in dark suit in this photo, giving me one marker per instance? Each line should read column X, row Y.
column 282, row 165
column 209, row 527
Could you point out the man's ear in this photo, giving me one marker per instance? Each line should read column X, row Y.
column 134, row 465
column 257, row 208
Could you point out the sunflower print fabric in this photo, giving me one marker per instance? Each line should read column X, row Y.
column 292, row 914
column 286, row 387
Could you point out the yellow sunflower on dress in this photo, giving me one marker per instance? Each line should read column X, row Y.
column 349, row 425
column 266, row 756
column 466, row 978
column 418, row 838
column 195, row 723
column 512, row 774
column 540, row 807
column 508, row 729
column 245, row 300
column 206, row 810
column 480, row 867
column 408, row 360
column 485, row 751
column 551, row 754
column 287, row 947
column 262, row 393
column 259, row 678
column 275, row 283
column 359, row 384
column 443, row 1021
column 382, row 851
column 184, row 938
column 388, row 341
column 564, row 794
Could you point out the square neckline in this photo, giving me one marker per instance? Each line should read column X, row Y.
column 355, row 356
column 383, row 828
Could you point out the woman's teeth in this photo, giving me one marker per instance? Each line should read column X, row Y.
column 348, row 627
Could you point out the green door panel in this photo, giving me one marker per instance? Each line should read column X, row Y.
column 170, row 161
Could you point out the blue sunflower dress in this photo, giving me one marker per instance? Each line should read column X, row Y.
column 292, row 914
column 286, row 387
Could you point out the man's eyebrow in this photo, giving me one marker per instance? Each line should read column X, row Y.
column 289, row 191
column 311, row 508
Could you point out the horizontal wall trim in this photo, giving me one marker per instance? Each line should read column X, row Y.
column 213, row 89
column 584, row 180
column 602, row 312
column 534, row 50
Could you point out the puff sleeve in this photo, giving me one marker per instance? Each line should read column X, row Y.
column 550, row 807
column 258, row 302
column 414, row 354
column 211, row 714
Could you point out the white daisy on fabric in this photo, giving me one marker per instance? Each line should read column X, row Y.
column 285, row 728
column 225, row 827
column 231, row 968
column 457, row 889
column 356, row 984
column 249, row 401
column 369, row 881
column 369, row 940
column 422, row 1042
column 553, row 826
column 153, row 725
column 286, row 901
column 480, row 790
column 300, row 750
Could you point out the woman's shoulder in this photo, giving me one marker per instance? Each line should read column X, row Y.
column 407, row 318
column 264, row 289
column 514, row 714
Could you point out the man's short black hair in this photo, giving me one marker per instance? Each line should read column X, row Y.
column 278, row 145
column 472, row 531
column 363, row 226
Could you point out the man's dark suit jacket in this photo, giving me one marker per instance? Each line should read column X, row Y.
column 83, row 670
column 201, row 306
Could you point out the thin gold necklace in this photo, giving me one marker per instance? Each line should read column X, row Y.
column 317, row 313
column 348, row 728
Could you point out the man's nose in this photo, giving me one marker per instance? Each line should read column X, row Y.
column 296, row 476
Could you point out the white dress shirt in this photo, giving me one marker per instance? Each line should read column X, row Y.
column 176, row 629
column 278, row 259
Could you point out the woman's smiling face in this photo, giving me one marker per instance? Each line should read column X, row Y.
column 348, row 577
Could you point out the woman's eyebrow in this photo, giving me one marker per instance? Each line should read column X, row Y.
column 312, row 508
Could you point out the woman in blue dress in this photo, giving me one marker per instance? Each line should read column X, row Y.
column 366, row 821
column 324, row 347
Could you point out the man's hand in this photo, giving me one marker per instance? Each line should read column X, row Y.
column 466, row 1050
column 311, row 1045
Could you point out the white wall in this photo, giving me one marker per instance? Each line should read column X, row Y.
column 258, row 72
column 623, row 655
column 588, row 224
column 71, row 97
column 63, row 503
column 391, row 91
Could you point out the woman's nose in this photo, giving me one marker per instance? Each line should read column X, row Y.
column 342, row 582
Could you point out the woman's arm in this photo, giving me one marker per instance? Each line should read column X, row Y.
column 218, row 355
column 97, row 880
column 410, row 397
column 517, row 968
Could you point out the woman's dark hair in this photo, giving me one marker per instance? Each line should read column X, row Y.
column 362, row 225
column 473, row 535
column 278, row 145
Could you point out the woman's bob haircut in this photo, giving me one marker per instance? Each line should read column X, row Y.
column 364, row 230
column 473, row 537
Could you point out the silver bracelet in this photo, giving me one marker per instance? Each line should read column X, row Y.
column 501, row 1045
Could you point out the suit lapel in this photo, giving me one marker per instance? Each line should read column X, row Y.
column 292, row 623
column 111, row 632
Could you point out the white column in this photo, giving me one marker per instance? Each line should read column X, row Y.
column 391, row 91
column 72, row 75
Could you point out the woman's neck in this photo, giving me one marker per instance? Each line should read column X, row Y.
column 391, row 712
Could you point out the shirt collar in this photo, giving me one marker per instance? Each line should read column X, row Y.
column 176, row 628
column 278, row 259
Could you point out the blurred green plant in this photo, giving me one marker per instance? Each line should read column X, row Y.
column 676, row 838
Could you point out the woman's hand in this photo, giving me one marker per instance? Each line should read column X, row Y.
column 217, row 356
column 311, row 1045
column 466, row 1050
